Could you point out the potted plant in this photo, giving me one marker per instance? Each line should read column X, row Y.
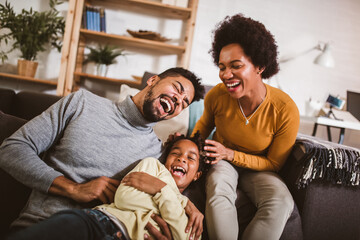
column 103, row 56
column 31, row 32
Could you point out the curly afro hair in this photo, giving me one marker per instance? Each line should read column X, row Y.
column 200, row 143
column 257, row 42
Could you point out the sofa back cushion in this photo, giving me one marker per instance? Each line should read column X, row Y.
column 14, row 194
column 28, row 105
column 7, row 97
column 9, row 124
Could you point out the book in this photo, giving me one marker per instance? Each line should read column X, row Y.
column 94, row 18
column 88, row 17
column 102, row 20
column 84, row 23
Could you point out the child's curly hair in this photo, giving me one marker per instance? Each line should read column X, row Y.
column 200, row 143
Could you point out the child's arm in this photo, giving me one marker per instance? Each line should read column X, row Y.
column 143, row 182
column 166, row 197
column 170, row 204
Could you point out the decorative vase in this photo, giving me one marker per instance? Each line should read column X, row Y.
column 27, row 68
column 101, row 70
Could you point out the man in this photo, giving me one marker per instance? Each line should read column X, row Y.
column 89, row 143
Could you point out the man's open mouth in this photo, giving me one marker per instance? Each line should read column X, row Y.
column 167, row 104
column 178, row 171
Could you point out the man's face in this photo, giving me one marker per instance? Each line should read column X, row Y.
column 167, row 97
column 183, row 163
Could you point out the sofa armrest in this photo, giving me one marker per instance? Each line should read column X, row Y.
column 9, row 124
column 328, row 210
column 13, row 194
column 7, row 97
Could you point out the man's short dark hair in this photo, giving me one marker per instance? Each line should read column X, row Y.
column 196, row 81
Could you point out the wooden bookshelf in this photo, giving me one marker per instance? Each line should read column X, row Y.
column 168, row 11
column 132, row 42
column 76, row 38
column 131, row 83
column 29, row 79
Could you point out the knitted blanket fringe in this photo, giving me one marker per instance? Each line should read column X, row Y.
column 338, row 164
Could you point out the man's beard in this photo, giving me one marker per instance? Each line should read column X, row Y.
column 150, row 112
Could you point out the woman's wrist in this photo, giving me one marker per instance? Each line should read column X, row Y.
column 230, row 155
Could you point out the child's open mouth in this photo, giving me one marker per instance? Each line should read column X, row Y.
column 178, row 171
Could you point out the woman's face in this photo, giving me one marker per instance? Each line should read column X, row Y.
column 183, row 163
column 237, row 71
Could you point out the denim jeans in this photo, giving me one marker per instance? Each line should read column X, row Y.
column 87, row 224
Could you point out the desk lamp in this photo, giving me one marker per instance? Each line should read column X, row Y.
column 324, row 59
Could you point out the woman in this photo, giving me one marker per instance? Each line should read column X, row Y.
column 256, row 127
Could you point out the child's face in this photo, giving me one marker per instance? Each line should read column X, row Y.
column 183, row 163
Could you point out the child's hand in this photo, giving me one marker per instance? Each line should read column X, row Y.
column 143, row 182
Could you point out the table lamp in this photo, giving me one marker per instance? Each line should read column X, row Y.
column 324, row 59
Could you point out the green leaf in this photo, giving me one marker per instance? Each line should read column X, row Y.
column 104, row 54
column 31, row 31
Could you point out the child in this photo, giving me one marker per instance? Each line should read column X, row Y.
column 150, row 188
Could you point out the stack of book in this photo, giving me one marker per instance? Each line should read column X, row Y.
column 94, row 18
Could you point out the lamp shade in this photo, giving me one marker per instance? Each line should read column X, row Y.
column 325, row 58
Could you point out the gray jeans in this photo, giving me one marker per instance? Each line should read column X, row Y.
column 266, row 191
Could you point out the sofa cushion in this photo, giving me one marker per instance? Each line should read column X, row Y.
column 9, row 124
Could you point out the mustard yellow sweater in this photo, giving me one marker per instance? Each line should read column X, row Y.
column 266, row 142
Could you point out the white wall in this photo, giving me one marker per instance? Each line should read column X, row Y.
column 297, row 25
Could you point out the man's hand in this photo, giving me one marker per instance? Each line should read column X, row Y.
column 165, row 233
column 102, row 188
column 195, row 220
column 143, row 182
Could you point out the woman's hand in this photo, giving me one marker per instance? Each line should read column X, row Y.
column 143, row 182
column 195, row 220
column 218, row 151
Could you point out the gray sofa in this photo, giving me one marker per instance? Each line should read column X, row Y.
column 324, row 210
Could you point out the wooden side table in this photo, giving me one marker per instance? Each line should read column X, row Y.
column 346, row 121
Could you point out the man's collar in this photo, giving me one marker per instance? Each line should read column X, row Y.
column 132, row 114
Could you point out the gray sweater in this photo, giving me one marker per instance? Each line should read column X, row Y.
column 83, row 136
